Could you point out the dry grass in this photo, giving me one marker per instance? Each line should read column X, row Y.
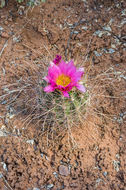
column 26, row 97
column 22, row 93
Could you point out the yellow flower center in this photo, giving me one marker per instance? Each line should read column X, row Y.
column 63, row 80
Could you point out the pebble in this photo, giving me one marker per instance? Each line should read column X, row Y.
column 4, row 166
column 2, row 133
column 98, row 180
column 1, row 28
column 122, row 76
column 84, row 27
column 100, row 33
column 111, row 51
column 1, row 175
column 63, row 170
column 16, row 39
column 123, row 12
column 6, row 22
column 55, row 174
column 30, row 141
column 107, row 28
column 105, row 173
column 49, row 186
column 76, row 32
column 116, row 164
column 74, row 185
column 122, row 22
column 97, row 54
column 10, row 19
column 4, row 34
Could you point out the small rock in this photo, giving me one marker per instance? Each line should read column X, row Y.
column 117, row 156
column 122, row 22
column 122, row 76
column 97, row 54
column 49, row 186
column 76, row 32
column 107, row 28
column 116, row 164
column 55, row 174
column 100, row 33
column 1, row 28
column 30, row 141
column 105, row 173
column 1, row 175
column 98, row 180
column 4, row 166
column 74, row 185
column 84, row 27
column 2, row 133
column 16, row 39
column 2, row 16
column 21, row 10
column 6, row 22
column 42, row 155
column 4, row 34
column 123, row 12
column 111, row 50
column 63, row 170
column 46, row 158
column 10, row 19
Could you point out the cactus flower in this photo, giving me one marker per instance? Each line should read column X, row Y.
column 64, row 77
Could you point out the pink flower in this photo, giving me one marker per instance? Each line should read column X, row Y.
column 64, row 77
column 57, row 59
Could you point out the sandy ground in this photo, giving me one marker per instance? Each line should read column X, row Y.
column 88, row 157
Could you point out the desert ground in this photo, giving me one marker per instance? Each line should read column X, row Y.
column 90, row 155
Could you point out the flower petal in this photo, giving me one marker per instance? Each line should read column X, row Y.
column 53, row 72
column 63, row 67
column 81, row 87
column 49, row 88
column 51, row 63
column 46, row 79
column 71, row 64
column 67, row 68
column 81, row 69
column 75, row 77
column 65, row 94
column 71, row 69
